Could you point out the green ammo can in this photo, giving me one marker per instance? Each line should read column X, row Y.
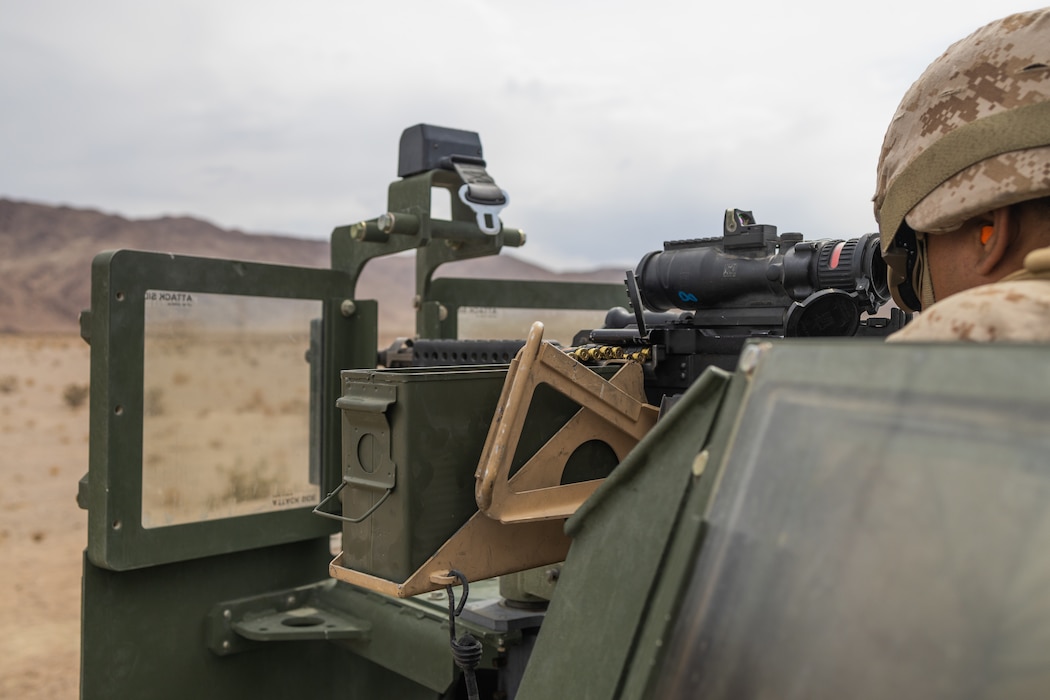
column 412, row 438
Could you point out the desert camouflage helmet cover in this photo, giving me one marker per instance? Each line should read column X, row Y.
column 973, row 132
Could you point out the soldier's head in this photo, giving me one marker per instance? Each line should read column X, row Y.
column 963, row 189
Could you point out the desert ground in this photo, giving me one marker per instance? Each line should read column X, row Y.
column 43, row 454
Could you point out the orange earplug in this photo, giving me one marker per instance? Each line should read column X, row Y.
column 986, row 234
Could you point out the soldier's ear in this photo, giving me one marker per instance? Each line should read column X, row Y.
column 995, row 245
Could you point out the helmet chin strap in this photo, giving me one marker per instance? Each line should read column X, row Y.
column 900, row 257
column 921, row 273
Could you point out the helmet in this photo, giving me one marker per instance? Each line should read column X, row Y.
column 971, row 135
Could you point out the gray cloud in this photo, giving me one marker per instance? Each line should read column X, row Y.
column 610, row 124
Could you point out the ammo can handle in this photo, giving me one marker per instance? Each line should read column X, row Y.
column 343, row 518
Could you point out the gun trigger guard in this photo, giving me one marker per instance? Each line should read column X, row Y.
column 487, row 214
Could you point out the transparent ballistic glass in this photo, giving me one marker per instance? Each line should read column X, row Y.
column 488, row 322
column 861, row 551
column 225, row 428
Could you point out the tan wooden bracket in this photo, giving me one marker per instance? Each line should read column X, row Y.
column 613, row 412
column 481, row 549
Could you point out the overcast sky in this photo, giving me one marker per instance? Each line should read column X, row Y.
column 613, row 126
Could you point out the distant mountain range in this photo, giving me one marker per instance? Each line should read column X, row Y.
column 46, row 253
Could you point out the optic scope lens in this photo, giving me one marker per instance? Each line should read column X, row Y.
column 839, row 264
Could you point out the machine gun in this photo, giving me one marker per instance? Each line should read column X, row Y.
column 697, row 302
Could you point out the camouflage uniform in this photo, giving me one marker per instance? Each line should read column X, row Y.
column 971, row 135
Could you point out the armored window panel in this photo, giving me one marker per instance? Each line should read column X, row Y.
column 212, row 418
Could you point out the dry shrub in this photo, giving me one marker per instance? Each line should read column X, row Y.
column 256, row 403
column 8, row 384
column 153, row 401
column 294, row 407
column 75, row 395
column 249, row 485
column 171, row 497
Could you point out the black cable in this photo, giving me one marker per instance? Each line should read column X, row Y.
column 467, row 650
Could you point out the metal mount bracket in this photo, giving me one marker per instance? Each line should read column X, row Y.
column 614, row 412
column 293, row 614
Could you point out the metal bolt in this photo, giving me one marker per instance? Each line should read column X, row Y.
column 227, row 614
column 226, row 645
column 442, row 312
column 752, row 356
column 552, row 575
column 700, row 463
column 347, row 308
column 385, row 222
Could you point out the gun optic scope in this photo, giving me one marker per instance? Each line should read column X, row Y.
column 766, row 270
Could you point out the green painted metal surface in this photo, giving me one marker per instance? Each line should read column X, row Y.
column 145, row 634
column 858, row 503
column 436, row 241
column 879, row 530
column 620, row 535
